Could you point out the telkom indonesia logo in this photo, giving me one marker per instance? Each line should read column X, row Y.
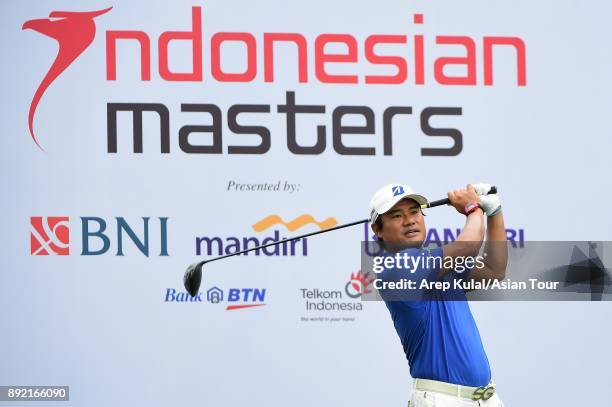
column 359, row 284
column 74, row 32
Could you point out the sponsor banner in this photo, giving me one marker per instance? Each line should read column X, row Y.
column 141, row 137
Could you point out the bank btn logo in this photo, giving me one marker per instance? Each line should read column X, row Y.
column 218, row 246
column 214, row 295
column 49, row 235
column 74, row 32
column 234, row 298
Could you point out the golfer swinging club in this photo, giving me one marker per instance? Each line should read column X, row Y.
column 439, row 336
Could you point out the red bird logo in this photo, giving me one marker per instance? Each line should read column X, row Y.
column 73, row 31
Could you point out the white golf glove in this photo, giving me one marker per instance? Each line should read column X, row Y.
column 482, row 188
column 491, row 204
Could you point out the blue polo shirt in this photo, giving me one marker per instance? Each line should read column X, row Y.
column 436, row 327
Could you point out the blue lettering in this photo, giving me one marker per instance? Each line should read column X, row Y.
column 122, row 225
column 170, row 294
column 245, row 243
column 85, row 234
column 433, row 237
column 294, row 243
column 448, row 235
column 209, row 242
column 370, row 249
column 259, row 294
column 163, row 224
column 246, row 292
column 233, row 295
column 273, row 250
column 233, row 246
column 510, row 235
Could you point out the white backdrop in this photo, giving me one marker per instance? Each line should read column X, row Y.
column 101, row 323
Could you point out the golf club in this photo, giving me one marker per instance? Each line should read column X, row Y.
column 193, row 276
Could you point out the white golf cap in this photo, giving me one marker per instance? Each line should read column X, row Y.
column 385, row 198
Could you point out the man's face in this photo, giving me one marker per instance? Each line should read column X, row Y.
column 402, row 226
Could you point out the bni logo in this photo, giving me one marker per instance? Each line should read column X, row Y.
column 50, row 235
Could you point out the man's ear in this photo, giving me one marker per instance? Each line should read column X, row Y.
column 376, row 230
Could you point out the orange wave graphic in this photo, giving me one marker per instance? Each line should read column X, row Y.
column 295, row 224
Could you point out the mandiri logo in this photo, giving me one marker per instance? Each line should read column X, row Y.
column 218, row 245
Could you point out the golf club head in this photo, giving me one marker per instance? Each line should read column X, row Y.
column 193, row 279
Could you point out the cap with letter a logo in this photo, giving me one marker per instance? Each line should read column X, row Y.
column 385, row 198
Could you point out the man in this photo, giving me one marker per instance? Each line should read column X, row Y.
column 436, row 327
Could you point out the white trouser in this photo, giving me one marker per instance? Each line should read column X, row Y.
column 421, row 398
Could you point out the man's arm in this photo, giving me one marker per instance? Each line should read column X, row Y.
column 470, row 238
column 469, row 241
column 496, row 250
column 496, row 247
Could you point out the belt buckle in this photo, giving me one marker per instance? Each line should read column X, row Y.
column 483, row 393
